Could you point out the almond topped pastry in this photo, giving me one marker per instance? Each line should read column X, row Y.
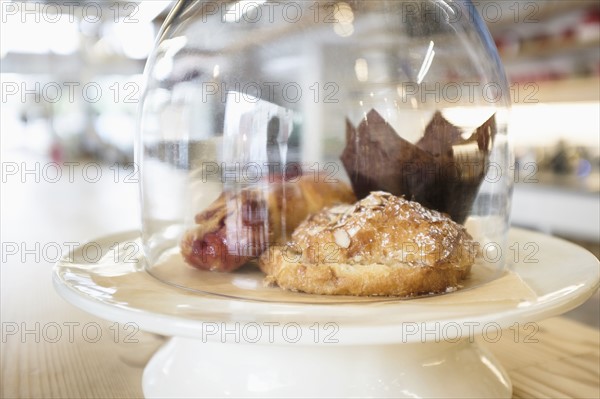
column 382, row 245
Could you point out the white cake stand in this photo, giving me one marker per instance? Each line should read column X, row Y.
column 225, row 347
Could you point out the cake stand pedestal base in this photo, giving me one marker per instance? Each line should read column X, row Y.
column 191, row 368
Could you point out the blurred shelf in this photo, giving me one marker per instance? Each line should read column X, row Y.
column 587, row 185
column 68, row 66
column 569, row 90
column 552, row 8
column 532, row 11
column 550, row 50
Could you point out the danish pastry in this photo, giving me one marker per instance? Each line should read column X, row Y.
column 239, row 226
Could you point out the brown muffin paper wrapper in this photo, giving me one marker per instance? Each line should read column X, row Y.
column 442, row 171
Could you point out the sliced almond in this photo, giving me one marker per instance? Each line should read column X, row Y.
column 315, row 230
column 353, row 230
column 373, row 200
column 342, row 239
column 339, row 209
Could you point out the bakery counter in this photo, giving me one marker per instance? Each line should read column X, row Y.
column 588, row 185
column 49, row 348
column 557, row 210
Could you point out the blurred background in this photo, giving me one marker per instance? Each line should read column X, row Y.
column 71, row 75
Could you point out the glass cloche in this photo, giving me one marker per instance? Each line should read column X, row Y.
column 318, row 151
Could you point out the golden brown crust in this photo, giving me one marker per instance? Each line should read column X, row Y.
column 297, row 200
column 382, row 245
column 358, row 280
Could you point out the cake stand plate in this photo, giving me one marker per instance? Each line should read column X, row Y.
column 424, row 347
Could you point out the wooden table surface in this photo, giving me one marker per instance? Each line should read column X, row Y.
column 563, row 363
column 50, row 349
